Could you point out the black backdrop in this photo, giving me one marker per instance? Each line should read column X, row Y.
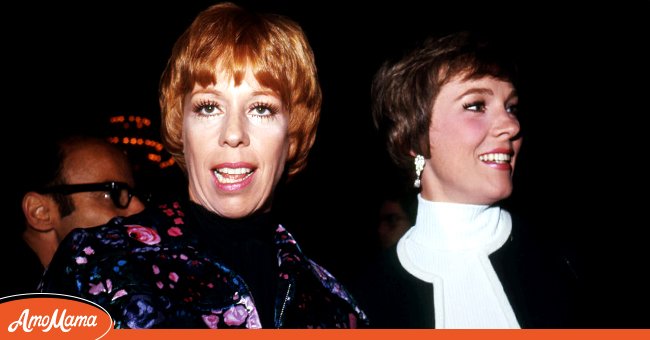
column 579, row 178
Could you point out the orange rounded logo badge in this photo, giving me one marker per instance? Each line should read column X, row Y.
column 51, row 316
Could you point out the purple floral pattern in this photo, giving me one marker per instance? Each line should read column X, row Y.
column 143, row 234
column 149, row 271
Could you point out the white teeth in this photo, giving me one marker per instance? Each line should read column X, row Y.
column 234, row 171
column 495, row 157
column 223, row 173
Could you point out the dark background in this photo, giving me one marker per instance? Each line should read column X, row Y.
column 580, row 177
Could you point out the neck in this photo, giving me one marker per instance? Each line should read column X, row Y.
column 43, row 243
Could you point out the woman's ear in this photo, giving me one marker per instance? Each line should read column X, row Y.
column 41, row 211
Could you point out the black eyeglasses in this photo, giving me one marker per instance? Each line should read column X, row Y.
column 120, row 192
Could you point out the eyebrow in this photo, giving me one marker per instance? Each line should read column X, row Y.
column 207, row 90
column 219, row 93
column 265, row 93
column 477, row 90
column 485, row 90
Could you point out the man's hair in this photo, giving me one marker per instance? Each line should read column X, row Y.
column 46, row 167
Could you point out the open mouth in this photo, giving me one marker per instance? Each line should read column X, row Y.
column 232, row 175
column 499, row 158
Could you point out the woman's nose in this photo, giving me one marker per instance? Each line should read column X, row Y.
column 506, row 124
column 233, row 131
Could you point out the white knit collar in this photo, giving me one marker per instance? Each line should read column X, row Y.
column 460, row 227
column 451, row 227
column 449, row 247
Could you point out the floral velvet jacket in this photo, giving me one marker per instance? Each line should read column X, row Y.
column 149, row 271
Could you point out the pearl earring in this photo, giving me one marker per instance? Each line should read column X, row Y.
column 419, row 166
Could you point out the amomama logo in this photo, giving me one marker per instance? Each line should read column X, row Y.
column 45, row 315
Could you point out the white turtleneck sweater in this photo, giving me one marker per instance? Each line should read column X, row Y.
column 449, row 247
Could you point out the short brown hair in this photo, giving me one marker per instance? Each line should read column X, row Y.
column 234, row 39
column 404, row 92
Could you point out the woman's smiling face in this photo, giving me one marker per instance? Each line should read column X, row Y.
column 474, row 142
column 236, row 142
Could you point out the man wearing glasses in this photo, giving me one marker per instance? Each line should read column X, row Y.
column 79, row 182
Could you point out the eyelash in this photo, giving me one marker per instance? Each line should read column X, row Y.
column 512, row 109
column 203, row 104
column 273, row 110
column 479, row 103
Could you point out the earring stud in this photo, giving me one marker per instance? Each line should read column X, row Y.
column 419, row 166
